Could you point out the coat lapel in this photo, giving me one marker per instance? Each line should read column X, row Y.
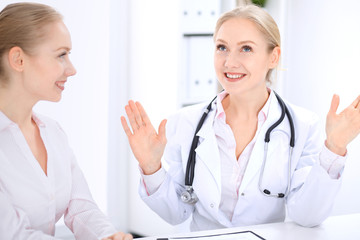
column 207, row 177
column 207, row 152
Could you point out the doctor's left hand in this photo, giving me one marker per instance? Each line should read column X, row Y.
column 119, row 236
column 342, row 128
column 147, row 145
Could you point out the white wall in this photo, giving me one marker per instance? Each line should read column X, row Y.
column 118, row 151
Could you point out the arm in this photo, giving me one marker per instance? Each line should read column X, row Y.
column 314, row 185
column 148, row 148
column 83, row 216
column 165, row 201
column 14, row 224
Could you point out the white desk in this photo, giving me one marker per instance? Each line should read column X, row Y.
column 345, row 227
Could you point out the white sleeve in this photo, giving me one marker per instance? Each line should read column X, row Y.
column 332, row 163
column 165, row 201
column 83, row 216
column 14, row 224
column 152, row 182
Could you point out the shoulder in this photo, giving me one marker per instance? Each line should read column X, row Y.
column 190, row 112
column 186, row 118
column 307, row 124
column 47, row 121
column 51, row 125
column 301, row 114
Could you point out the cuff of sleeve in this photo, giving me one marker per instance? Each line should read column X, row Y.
column 332, row 163
column 152, row 182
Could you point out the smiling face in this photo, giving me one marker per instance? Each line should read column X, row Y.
column 242, row 57
column 46, row 72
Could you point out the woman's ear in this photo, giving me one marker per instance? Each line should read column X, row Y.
column 275, row 57
column 16, row 59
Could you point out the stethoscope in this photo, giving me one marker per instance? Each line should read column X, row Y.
column 189, row 196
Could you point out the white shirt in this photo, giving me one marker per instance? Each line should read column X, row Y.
column 31, row 202
column 232, row 169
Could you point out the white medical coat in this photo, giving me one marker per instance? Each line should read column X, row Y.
column 312, row 191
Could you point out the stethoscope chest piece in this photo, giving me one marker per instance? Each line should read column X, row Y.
column 189, row 196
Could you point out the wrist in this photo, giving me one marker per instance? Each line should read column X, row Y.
column 150, row 169
column 337, row 149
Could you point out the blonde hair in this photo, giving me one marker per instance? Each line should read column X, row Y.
column 265, row 23
column 23, row 25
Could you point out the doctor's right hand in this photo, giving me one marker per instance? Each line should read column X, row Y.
column 146, row 144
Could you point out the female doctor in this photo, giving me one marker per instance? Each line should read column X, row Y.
column 236, row 180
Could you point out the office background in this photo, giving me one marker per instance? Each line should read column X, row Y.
column 136, row 49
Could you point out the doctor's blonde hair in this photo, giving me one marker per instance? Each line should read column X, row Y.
column 23, row 25
column 264, row 22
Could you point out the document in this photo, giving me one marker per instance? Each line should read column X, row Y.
column 245, row 235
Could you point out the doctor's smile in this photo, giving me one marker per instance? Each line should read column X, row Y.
column 233, row 77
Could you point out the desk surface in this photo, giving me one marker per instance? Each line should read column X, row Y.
column 334, row 228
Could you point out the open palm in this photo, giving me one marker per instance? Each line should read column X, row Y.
column 342, row 128
column 146, row 144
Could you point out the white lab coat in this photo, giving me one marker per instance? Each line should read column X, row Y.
column 312, row 191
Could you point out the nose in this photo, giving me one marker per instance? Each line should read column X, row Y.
column 232, row 60
column 70, row 70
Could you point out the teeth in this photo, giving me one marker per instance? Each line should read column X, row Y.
column 234, row 75
column 60, row 84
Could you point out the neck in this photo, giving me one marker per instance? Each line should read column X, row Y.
column 16, row 106
column 246, row 105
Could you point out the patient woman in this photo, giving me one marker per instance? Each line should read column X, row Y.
column 40, row 180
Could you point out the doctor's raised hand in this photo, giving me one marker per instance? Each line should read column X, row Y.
column 342, row 128
column 146, row 144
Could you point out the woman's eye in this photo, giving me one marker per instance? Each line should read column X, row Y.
column 246, row 49
column 221, row 48
column 62, row 54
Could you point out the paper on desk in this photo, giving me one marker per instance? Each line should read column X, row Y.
column 246, row 235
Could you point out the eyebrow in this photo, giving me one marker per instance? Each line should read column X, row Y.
column 239, row 43
column 61, row 48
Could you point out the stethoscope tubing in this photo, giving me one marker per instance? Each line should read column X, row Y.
column 190, row 197
column 190, row 167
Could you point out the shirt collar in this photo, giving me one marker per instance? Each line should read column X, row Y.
column 220, row 113
column 6, row 122
column 37, row 120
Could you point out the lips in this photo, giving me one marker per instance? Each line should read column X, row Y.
column 60, row 85
column 233, row 77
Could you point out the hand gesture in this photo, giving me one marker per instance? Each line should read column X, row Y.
column 119, row 236
column 147, row 146
column 342, row 128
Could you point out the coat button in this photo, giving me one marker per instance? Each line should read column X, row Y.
column 242, row 194
column 212, row 205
